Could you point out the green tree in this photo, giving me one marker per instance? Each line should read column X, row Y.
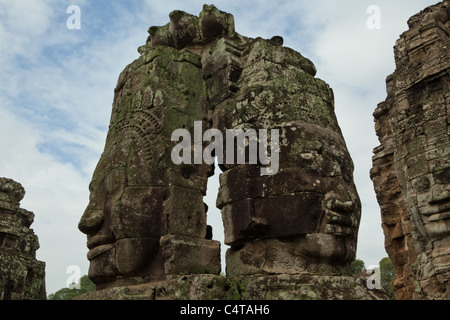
column 387, row 274
column 86, row 285
column 357, row 266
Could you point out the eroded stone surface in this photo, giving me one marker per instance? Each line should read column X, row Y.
column 411, row 167
column 267, row 287
column 146, row 220
column 22, row 277
column 138, row 194
column 311, row 202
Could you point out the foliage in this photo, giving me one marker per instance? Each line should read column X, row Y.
column 387, row 274
column 86, row 285
column 357, row 266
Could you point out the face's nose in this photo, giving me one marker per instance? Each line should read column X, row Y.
column 91, row 221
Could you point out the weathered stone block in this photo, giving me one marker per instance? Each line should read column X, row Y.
column 138, row 213
column 190, row 255
column 185, row 212
column 274, row 256
column 245, row 181
column 281, row 216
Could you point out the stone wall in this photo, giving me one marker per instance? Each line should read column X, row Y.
column 411, row 167
column 22, row 277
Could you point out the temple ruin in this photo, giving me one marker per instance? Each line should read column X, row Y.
column 291, row 234
column 411, row 167
column 22, row 277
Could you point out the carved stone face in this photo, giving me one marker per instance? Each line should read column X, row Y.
column 123, row 218
column 421, row 159
column 312, row 200
column 135, row 174
column 338, row 214
column 425, row 177
column 431, row 212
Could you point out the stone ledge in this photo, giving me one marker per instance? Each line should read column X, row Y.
column 258, row 287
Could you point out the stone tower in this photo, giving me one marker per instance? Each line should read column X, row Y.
column 22, row 277
column 411, row 167
column 294, row 213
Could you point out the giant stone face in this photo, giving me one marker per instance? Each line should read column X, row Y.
column 146, row 218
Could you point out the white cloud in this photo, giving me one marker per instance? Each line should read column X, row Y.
column 57, row 88
column 55, row 192
column 24, row 20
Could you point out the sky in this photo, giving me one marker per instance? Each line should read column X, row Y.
column 57, row 87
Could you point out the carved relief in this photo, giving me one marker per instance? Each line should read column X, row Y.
column 411, row 166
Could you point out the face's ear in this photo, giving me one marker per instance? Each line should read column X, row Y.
column 159, row 35
column 215, row 23
column 183, row 29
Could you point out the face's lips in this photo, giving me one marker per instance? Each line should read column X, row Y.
column 340, row 210
column 99, row 239
column 339, row 224
column 95, row 252
column 99, row 244
column 340, row 217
